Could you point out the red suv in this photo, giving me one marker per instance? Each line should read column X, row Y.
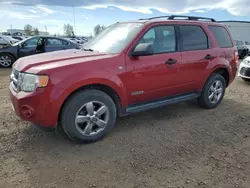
column 128, row 68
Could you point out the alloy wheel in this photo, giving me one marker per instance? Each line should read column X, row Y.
column 5, row 61
column 92, row 118
column 215, row 91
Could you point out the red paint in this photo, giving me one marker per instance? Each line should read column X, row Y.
column 72, row 69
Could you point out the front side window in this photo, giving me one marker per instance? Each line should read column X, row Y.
column 114, row 38
column 162, row 39
column 149, row 37
column 31, row 43
column 193, row 38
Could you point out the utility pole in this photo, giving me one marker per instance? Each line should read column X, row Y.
column 74, row 19
column 11, row 29
column 46, row 30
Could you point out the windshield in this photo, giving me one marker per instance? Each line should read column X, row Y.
column 19, row 42
column 114, row 38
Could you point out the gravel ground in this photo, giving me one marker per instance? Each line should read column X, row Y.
column 176, row 146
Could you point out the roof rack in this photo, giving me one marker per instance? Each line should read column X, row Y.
column 173, row 17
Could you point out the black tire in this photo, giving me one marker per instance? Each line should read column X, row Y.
column 74, row 104
column 246, row 79
column 10, row 57
column 203, row 99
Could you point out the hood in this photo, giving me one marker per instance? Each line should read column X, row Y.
column 36, row 63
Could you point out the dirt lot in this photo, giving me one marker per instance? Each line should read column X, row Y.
column 176, row 146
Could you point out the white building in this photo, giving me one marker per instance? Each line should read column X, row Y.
column 22, row 31
column 240, row 30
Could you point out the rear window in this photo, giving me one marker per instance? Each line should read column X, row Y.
column 221, row 35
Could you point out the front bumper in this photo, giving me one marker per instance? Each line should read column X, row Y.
column 35, row 107
column 244, row 71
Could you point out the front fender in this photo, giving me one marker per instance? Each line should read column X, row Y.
column 66, row 86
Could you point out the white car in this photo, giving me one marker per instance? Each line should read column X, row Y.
column 244, row 69
column 7, row 40
column 3, row 41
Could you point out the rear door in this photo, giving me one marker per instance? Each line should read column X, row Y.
column 151, row 77
column 196, row 55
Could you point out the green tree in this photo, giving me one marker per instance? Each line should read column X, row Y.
column 98, row 28
column 36, row 31
column 68, row 30
column 28, row 29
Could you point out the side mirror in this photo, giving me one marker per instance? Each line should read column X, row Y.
column 22, row 45
column 142, row 49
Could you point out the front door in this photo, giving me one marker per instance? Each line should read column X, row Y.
column 29, row 47
column 152, row 77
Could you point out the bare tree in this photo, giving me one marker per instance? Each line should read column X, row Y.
column 28, row 29
column 98, row 28
column 68, row 30
column 36, row 31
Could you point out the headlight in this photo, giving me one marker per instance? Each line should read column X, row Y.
column 29, row 82
column 245, row 61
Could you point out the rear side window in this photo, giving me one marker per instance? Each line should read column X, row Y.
column 221, row 35
column 193, row 38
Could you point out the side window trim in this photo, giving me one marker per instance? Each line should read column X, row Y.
column 177, row 38
column 209, row 44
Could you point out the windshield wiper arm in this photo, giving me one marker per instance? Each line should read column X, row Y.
column 88, row 49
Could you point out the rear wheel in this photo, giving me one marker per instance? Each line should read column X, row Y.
column 213, row 92
column 88, row 116
column 6, row 60
column 246, row 79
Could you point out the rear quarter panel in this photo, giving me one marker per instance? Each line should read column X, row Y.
column 224, row 58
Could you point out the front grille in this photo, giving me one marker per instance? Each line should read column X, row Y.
column 245, row 71
column 14, row 78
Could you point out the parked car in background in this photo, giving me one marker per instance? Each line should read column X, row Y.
column 76, row 40
column 247, row 44
column 129, row 67
column 244, row 69
column 31, row 46
column 242, row 49
column 4, row 41
column 7, row 40
column 19, row 38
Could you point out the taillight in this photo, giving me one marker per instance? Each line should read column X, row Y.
column 236, row 57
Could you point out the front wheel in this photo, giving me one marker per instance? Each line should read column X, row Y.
column 213, row 92
column 6, row 60
column 88, row 115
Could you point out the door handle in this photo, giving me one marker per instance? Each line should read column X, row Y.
column 208, row 57
column 171, row 61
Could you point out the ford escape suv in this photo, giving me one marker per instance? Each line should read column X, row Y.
column 129, row 67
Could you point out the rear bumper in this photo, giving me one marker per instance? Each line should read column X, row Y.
column 35, row 107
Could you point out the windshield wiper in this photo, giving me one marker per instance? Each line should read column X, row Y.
column 88, row 49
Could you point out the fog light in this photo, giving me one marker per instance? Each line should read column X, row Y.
column 27, row 111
